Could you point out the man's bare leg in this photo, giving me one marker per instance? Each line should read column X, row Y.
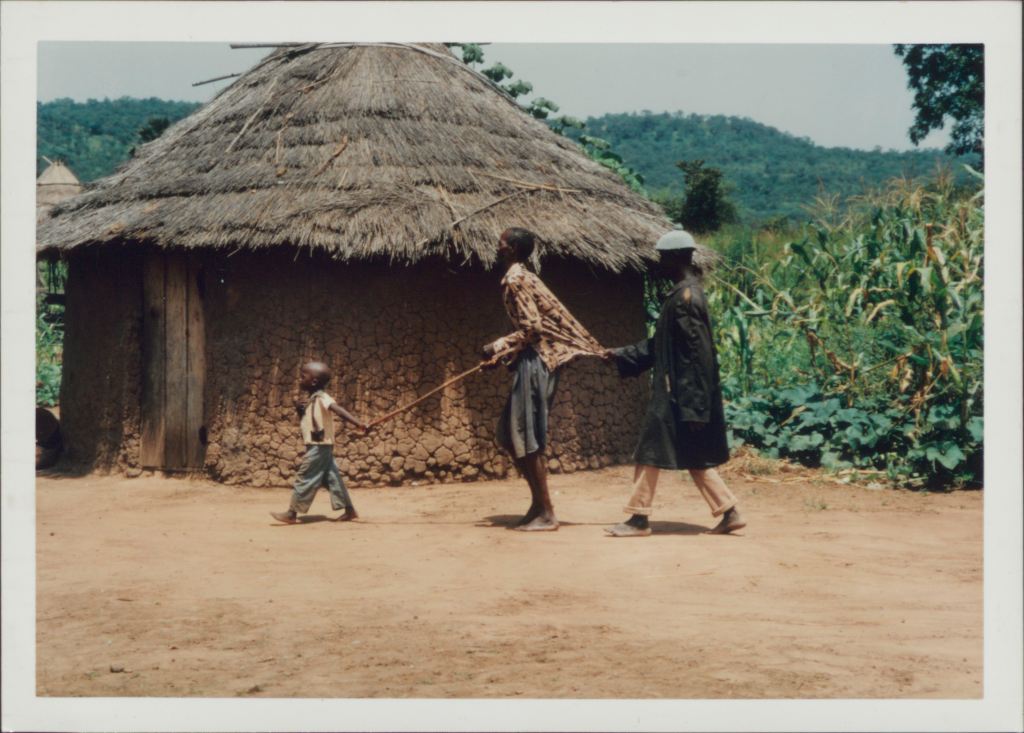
column 535, row 506
column 730, row 522
column 717, row 495
column 535, row 469
column 645, row 482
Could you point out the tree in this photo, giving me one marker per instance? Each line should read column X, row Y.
column 600, row 150
column 153, row 129
column 501, row 75
column 948, row 80
column 705, row 206
column 94, row 137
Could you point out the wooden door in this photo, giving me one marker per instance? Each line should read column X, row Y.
column 173, row 362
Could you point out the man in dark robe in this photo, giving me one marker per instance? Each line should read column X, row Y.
column 684, row 427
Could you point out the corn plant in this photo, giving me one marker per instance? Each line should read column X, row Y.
column 858, row 343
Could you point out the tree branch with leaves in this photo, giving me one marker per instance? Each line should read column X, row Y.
column 948, row 81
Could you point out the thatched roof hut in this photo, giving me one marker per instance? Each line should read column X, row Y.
column 340, row 201
column 55, row 184
column 398, row 150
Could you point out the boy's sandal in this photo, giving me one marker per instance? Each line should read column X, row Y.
column 284, row 517
column 627, row 530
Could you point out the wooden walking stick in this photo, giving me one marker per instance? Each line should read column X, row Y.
column 458, row 378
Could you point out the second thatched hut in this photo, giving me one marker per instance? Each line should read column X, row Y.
column 55, row 184
column 343, row 202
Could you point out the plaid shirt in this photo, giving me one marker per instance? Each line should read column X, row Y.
column 541, row 321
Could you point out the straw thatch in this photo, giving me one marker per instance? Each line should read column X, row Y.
column 365, row 151
column 55, row 184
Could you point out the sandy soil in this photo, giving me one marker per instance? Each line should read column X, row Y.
column 832, row 591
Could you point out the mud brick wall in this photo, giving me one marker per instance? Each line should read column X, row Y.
column 101, row 372
column 390, row 334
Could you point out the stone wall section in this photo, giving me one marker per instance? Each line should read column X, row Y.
column 391, row 334
column 101, row 379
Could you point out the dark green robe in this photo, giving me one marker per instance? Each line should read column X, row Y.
column 685, row 387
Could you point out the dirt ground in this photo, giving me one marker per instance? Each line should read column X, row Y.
column 190, row 588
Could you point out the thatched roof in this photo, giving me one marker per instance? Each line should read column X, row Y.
column 55, row 184
column 397, row 151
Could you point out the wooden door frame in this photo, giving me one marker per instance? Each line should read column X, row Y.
column 173, row 434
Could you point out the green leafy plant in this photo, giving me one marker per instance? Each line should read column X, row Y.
column 601, row 151
column 49, row 347
column 857, row 344
column 948, row 81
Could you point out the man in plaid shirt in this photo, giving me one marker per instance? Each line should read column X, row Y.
column 547, row 337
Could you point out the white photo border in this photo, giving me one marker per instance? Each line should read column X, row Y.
column 996, row 24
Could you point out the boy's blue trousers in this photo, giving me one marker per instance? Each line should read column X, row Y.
column 319, row 469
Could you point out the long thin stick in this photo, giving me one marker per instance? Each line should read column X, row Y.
column 266, row 45
column 253, row 116
column 398, row 411
column 337, row 151
column 216, row 78
column 530, row 184
column 477, row 211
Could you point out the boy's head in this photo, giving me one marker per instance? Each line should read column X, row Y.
column 516, row 245
column 314, row 375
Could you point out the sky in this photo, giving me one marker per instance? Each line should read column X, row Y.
column 850, row 95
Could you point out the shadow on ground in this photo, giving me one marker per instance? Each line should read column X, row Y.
column 677, row 528
column 307, row 519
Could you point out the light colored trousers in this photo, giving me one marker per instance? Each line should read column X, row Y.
column 711, row 485
column 319, row 469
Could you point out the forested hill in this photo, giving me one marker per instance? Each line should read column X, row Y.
column 95, row 137
column 771, row 173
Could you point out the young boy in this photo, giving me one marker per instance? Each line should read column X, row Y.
column 318, row 467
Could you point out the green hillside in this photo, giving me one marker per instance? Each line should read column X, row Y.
column 95, row 137
column 771, row 173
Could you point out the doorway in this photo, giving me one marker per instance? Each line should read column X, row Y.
column 173, row 362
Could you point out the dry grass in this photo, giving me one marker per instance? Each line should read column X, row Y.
column 382, row 151
column 748, row 464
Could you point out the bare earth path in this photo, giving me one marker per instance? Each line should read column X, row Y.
column 832, row 592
